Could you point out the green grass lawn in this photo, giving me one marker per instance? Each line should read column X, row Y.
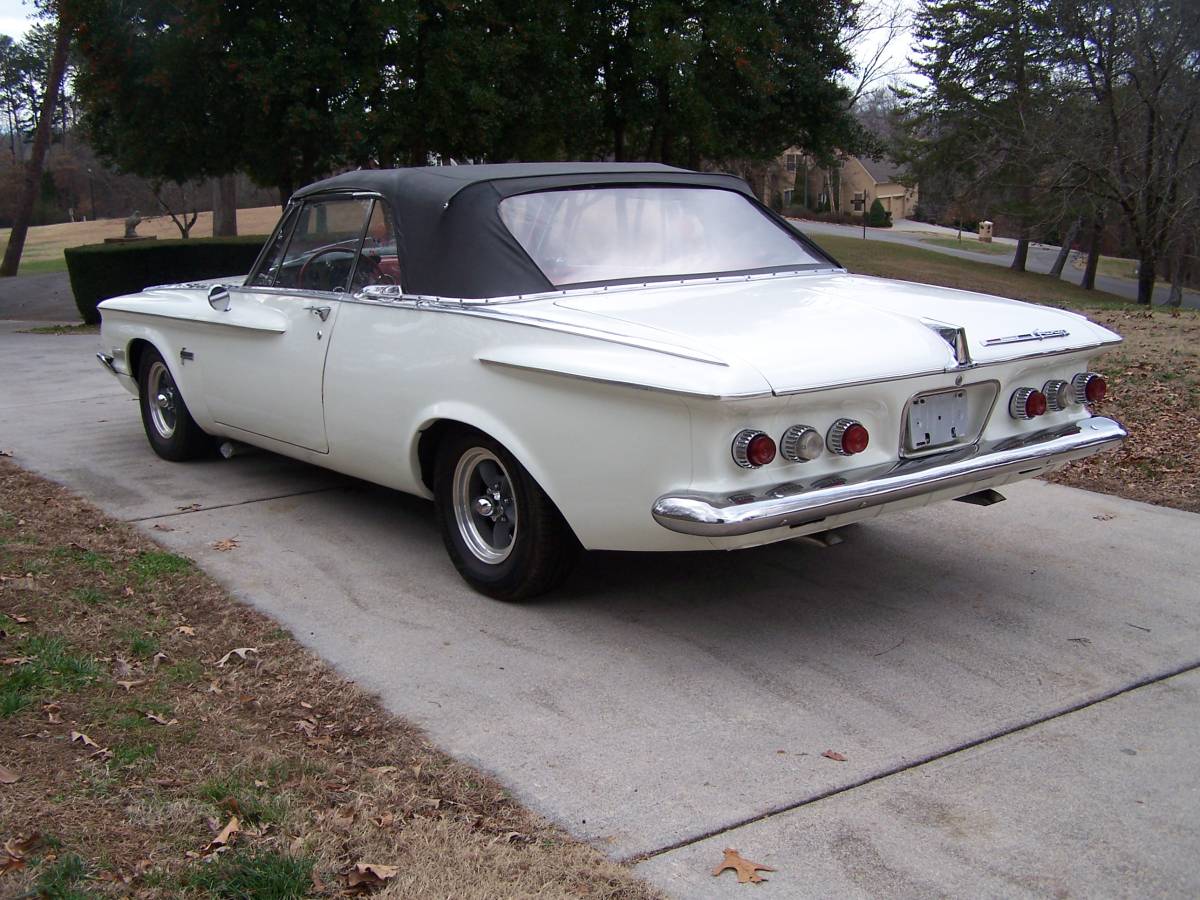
column 42, row 266
column 971, row 244
column 930, row 267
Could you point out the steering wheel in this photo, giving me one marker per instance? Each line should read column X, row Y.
column 308, row 262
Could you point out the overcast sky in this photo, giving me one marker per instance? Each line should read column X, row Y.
column 13, row 17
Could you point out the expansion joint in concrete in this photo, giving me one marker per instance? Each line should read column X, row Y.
column 919, row 762
column 197, row 509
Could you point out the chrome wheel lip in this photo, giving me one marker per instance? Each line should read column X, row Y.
column 161, row 399
column 468, row 488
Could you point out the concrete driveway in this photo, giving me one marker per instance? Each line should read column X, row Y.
column 1014, row 689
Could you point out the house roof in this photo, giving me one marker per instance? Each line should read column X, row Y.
column 450, row 238
column 882, row 170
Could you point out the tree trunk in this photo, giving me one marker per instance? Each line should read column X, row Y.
column 1021, row 256
column 1089, row 272
column 41, row 143
column 225, row 206
column 1065, row 250
column 1146, row 274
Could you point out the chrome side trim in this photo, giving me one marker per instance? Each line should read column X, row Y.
column 597, row 334
column 723, row 515
column 541, row 370
column 222, row 323
column 107, row 362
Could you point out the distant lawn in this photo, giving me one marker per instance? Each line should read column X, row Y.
column 971, row 244
column 42, row 266
column 930, row 267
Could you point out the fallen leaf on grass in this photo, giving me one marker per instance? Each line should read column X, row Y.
column 186, row 630
column 224, row 840
column 226, row 544
column 236, row 651
column 746, row 870
column 12, row 857
column 79, row 736
column 15, row 660
column 155, row 717
column 367, row 875
column 130, row 684
column 834, row 755
column 386, row 820
column 52, row 711
column 8, row 776
column 6, row 453
column 128, row 592
column 342, row 818
column 21, row 620
column 158, row 659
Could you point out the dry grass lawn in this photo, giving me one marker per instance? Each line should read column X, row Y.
column 136, row 728
column 44, row 244
column 1154, row 389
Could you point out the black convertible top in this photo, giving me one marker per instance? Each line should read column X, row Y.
column 450, row 239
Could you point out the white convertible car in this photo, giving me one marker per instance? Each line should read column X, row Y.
column 609, row 356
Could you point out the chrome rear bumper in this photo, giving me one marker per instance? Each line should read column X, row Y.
column 794, row 504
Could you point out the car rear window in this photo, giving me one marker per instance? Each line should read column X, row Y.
column 626, row 233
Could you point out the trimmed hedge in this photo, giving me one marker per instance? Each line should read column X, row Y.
column 100, row 271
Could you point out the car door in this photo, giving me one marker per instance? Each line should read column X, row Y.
column 264, row 373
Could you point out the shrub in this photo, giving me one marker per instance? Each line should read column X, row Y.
column 879, row 217
column 100, row 271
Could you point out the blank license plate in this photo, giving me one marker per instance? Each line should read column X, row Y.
column 937, row 419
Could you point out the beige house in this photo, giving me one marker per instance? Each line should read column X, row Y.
column 864, row 176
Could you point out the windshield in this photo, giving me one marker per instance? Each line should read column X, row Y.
column 617, row 233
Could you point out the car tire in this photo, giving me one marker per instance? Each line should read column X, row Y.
column 505, row 536
column 170, row 428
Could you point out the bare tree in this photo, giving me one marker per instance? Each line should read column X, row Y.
column 1138, row 61
column 873, row 37
column 181, row 197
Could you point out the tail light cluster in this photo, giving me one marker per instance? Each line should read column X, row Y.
column 753, row 449
column 1057, row 395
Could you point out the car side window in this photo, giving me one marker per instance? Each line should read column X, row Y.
column 324, row 244
column 378, row 263
column 268, row 268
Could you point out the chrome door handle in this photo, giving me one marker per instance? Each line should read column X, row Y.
column 321, row 312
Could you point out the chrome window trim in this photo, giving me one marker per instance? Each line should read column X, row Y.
column 294, row 203
column 394, row 292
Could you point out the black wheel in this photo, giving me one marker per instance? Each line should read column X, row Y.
column 504, row 535
column 172, row 432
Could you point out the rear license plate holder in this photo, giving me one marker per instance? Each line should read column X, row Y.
column 938, row 420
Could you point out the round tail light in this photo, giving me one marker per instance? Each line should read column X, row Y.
column 847, row 437
column 1089, row 387
column 1027, row 403
column 1058, row 394
column 752, row 449
column 801, row 443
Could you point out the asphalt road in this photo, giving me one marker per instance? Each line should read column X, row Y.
column 1014, row 688
column 1041, row 256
